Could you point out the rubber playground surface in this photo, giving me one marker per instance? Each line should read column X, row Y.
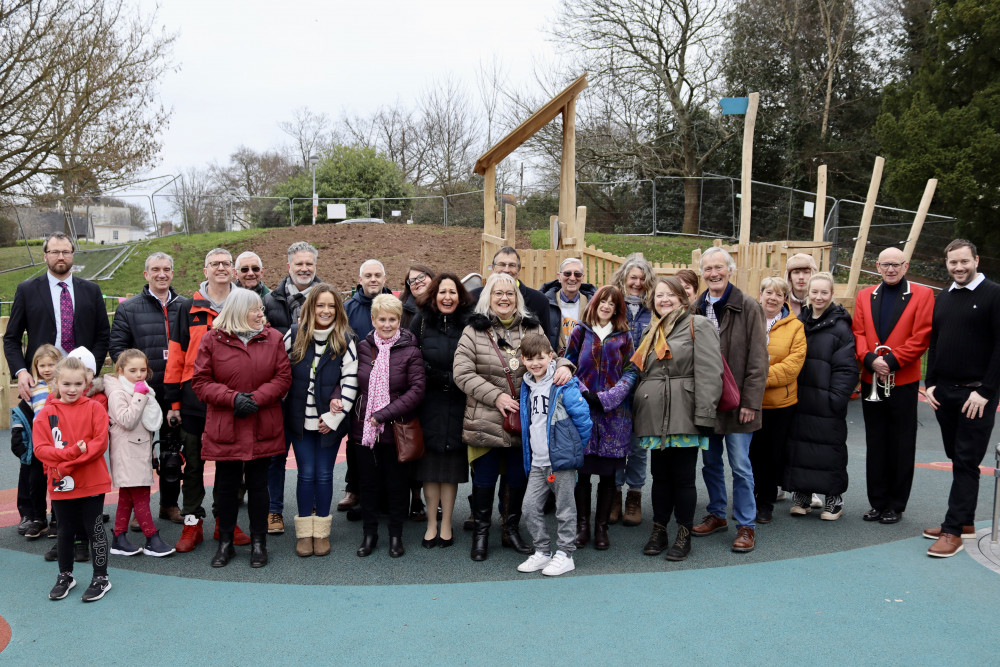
column 845, row 591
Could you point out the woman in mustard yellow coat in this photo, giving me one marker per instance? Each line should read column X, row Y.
column 786, row 349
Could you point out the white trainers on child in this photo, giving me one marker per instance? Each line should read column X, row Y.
column 535, row 562
column 561, row 564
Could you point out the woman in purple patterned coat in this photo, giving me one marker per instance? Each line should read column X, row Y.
column 600, row 346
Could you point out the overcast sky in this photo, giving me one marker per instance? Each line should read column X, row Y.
column 245, row 66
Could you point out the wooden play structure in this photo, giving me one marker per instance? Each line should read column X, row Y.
column 754, row 260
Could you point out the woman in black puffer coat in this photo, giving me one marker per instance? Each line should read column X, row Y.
column 444, row 310
column 817, row 445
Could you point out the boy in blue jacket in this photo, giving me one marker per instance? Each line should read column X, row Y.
column 555, row 428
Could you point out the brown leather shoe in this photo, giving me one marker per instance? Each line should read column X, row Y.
column 633, row 509
column 945, row 546
column 745, row 540
column 616, row 507
column 347, row 502
column 968, row 533
column 172, row 514
column 710, row 524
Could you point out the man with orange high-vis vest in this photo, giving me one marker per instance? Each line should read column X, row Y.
column 892, row 328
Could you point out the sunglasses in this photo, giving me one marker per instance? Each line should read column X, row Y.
column 248, row 269
column 572, row 274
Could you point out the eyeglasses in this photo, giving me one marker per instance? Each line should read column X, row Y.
column 248, row 269
column 223, row 263
column 257, row 309
column 573, row 274
column 505, row 265
column 416, row 279
column 890, row 265
column 60, row 253
column 499, row 294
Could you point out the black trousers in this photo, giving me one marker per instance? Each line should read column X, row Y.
column 673, row 491
column 81, row 515
column 965, row 443
column 31, row 490
column 229, row 476
column 377, row 468
column 891, row 437
column 351, row 476
column 767, row 454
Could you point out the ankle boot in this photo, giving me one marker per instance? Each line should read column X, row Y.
column 321, row 535
column 682, row 545
column 605, row 496
column 304, row 535
column 582, row 494
column 482, row 513
column 258, row 550
column 226, row 550
column 512, row 521
column 657, row 540
column 368, row 544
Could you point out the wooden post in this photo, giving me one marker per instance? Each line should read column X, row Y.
column 918, row 220
column 490, row 201
column 866, row 222
column 819, row 211
column 4, row 381
column 510, row 225
column 555, row 232
column 749, row 120
column 567, row 170
column 575, row 230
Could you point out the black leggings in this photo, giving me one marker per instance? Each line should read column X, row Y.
column 378, row 469
column 229, row 475
column 76, row 515
column 673, row 470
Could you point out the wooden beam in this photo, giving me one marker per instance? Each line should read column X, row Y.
column 819, row 211
column 490, row 201
column 580, row 229
column 567, row 169
column 866, row 222
column 555, row 233
column 918, row 220
column 748, row 124
column 510, row 224
column 533, row 124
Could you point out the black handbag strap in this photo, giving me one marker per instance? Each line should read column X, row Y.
column 503, row 362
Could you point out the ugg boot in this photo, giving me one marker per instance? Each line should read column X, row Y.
column 321, row 535
column 605, row 495
column 512, row 522
column 304, row 533
column 482, row 511
column 582, row 494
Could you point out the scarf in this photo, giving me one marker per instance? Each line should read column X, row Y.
column 378, row 388
column 246, row 336
column 603, row 332
column 657, row 339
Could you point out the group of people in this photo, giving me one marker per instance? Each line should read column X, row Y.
column 531, row 393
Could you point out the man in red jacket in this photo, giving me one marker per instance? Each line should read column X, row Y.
column 896, row 316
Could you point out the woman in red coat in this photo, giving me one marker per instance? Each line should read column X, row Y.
column 241, row 373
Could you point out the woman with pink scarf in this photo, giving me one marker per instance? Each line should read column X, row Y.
column 390, row 388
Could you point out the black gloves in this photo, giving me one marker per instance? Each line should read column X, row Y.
column 594, row 401
column 17, row 446
column 706, row 431
column 244, row 405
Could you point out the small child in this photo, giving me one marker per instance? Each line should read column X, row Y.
column 71, row 436
column 135, row 417
column 31, row 496
column 555, row 427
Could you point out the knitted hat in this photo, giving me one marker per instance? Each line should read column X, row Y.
column 86, row 356
column 799, row 261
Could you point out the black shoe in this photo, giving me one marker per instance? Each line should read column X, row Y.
column 120, row 546
column 258, row 550
column 418, row 512
column 52, row 555
column 81, row 552
column 225, row 552
column 98, row 587
column 764, row 515
column 396, row 547
column 36, row 529
column 22, row 527
column 682, row 545
column 657, row 540
column 64, row 583
column 368, row 544
column 431, row 543
column 872, row 515
column 53, row 530
column 890, row 516
column 105, row 518
column 444, row 544
column 354, row 514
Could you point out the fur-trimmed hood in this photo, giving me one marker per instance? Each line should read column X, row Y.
column 481, row 322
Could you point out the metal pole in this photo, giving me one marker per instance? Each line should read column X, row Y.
column 653, row 181
column 314, row 202
column 444, row 201
column 291, row 213
column 996, row 498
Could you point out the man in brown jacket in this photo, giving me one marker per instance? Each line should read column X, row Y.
column 740, row 322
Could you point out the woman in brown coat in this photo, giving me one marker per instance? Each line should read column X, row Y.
column 500, row 319
column 241, row 373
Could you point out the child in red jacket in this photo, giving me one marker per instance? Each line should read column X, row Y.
column 71, row 436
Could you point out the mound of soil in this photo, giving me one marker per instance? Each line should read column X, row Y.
column 342, row 249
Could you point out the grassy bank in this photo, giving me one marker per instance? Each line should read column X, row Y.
column 676, row 250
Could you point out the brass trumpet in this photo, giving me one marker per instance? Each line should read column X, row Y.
column 887, row 384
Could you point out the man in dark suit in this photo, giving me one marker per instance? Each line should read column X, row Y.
column 55, row 308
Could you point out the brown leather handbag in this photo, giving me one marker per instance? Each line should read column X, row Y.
column 409, row 439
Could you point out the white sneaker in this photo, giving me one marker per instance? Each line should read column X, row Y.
column 817, row 501
column 535, row 562
column 781, row 495
column 561, row 564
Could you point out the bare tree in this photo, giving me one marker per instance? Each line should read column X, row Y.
column 197, row 199
column 450, row 129
column 309, row 131
column 253, row 174
column 78, row 98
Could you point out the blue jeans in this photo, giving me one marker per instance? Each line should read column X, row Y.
column 486, row 469
column 634, row 473
column 276, row 481
column 314, row 489
column 714, row 473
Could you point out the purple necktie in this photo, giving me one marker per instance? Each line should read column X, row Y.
column 66, row 318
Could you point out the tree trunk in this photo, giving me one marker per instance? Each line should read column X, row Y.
column 691, row 204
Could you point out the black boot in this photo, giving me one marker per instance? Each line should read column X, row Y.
column 657, row 540
column 682, row 545
column 512, row 520
column 367, row 545
column 225, row 551
column 258, row 550
column 482, row 513
column 605, row 496
column 582, row 494
column 396, row 547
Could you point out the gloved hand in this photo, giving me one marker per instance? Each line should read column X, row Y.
column 593, row 401
column 17, row 445
column 141, row 387
column 706, row 431
column 244, row 405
